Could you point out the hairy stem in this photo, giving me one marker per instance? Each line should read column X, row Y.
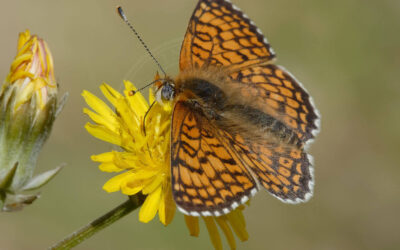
column 100, row 223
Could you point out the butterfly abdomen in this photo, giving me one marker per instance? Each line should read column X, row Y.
column 257, row 125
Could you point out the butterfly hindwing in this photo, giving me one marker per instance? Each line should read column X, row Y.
column 277, row 93
column 207, row 176
column 284, row 171
column 221, row 34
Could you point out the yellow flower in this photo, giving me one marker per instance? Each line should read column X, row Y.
column 143, row 164
column 28, row 108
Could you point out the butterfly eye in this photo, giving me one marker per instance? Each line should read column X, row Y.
column 167, row 91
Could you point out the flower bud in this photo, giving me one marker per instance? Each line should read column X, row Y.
column 28, row 108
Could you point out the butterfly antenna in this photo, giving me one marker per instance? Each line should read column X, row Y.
column 142, row 88
column 122, row 15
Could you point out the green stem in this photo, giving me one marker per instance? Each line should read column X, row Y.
column 100, row 223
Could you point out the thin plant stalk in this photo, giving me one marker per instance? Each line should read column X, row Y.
column 100, row 223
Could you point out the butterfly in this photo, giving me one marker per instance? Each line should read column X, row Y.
column 239, row 123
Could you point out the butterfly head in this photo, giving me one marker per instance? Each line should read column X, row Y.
column 165, row 90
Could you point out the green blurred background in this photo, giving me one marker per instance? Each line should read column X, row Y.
column 346, row 53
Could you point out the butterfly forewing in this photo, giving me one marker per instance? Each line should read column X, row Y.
column 207, row 177
column 220, row 34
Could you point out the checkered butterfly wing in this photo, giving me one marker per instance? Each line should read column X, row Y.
column 283, row 170
column 277, row 93
column 214, row 170
column 220, row 34
column 207, row 176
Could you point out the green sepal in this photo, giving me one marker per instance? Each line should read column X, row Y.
column 61, row 103
column 3, row 196
column 41, row 179
column 6, row 181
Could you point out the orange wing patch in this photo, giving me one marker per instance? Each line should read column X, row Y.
column 277, row 93
column 220, row 34
column 207, row 177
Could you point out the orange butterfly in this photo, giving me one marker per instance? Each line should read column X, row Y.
column 239, row 122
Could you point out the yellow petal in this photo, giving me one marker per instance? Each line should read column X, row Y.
column 222, row 222
column 168, row 107
column 213, row 232
column 23, row 38
column 145, row 174
column 150, row 206
column 126, row 160
column 114, row 184
column 131, row 122
column 131, row 188
column 110, row 161
column 129, row 87
column 20, row 59
column 192, row 223
column 155, row 183
column 104, row 157
column 28, row 46
column 103, row 133
column 167, row 208
column 98, row 105
column 111, row 94
column 19, row 74
column 111, row 124
column 137, row 102
column 161, row 210
column 236, row 219
column 151, row 96
column 134, row 184
column 110, row 168
column 240, row 214
column 170, row 206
